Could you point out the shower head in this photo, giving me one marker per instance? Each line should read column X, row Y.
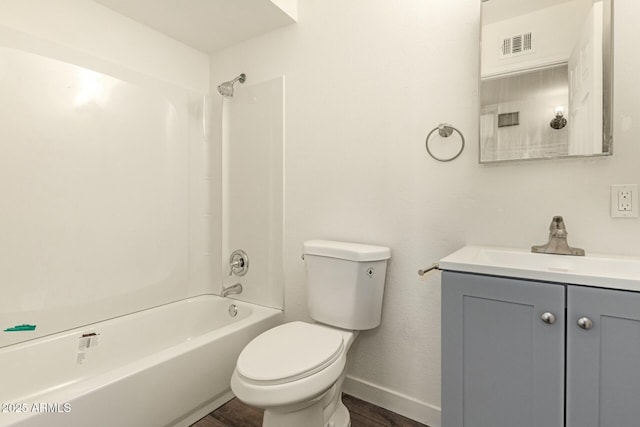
column 226, row 88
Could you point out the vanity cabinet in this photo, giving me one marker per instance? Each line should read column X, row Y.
column 603, row 361
column 511, row 347
column 501, row 365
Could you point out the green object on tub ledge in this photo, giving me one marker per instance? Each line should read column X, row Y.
column 20, row 328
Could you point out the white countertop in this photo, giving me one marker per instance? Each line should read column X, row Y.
column 599, row 270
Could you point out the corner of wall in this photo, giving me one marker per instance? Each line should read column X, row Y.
column 290, row 7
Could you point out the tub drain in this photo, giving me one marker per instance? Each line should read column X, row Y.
column 233, row 310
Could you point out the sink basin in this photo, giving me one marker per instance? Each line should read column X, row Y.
column 605, row 271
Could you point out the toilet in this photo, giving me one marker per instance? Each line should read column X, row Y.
column 295, row 371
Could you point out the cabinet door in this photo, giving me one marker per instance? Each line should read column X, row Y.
column 603, row 361
column 502, row 366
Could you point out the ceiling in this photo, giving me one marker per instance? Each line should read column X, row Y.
column 499, row 10
column 206, row 25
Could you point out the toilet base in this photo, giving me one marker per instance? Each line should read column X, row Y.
column 326, row 410
column 310, row 416
column 340, row 417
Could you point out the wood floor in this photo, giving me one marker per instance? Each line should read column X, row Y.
column 363, row 414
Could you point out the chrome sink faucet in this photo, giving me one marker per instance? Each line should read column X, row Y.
column 229, row 290
column 557, row 243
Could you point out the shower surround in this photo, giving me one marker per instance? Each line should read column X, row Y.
column 96, row 187
column 111, row 246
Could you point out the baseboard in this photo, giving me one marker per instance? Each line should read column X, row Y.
column 409, row 407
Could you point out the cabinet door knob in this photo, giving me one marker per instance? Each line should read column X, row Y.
column 548, row 318
column 585, row 323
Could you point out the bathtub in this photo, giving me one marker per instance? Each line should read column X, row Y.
column 165, row 366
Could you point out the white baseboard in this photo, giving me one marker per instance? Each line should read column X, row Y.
column 409, row 407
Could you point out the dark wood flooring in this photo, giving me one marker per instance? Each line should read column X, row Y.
column 363, row 414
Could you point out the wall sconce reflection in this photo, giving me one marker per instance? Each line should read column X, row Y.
column 559, row 121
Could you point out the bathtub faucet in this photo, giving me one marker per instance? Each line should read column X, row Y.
column 233, row 289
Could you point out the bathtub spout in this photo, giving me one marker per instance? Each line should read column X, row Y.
column 228, row 290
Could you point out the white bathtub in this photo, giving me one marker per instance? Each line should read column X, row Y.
column 166, row 366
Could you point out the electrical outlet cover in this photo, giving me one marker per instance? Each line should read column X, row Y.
column 624, row 200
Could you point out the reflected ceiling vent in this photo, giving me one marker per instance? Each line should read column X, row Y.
column 508, row 119
column 519, row 44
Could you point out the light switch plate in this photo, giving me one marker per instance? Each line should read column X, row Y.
column 624, row 200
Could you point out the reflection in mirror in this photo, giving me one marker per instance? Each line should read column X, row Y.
column 545, row 79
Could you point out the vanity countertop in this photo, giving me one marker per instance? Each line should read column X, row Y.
column 599, row 270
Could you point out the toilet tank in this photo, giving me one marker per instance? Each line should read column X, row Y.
column 345, row 283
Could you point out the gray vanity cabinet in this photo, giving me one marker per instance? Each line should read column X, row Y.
column 502, row 366
column 504, row 356
column 603, row 360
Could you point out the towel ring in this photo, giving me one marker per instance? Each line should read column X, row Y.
column 444, row 130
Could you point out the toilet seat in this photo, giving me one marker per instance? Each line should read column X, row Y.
column 298, row 376
column 288, row 353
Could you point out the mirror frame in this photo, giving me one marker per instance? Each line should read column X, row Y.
column 607, row 91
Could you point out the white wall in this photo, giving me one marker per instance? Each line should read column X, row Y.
column 366, row 81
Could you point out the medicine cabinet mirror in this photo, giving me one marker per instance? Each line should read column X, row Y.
column 545, row 79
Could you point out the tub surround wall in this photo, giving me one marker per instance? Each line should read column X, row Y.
column 252, row 180
column 110, row 225
column 364, row 87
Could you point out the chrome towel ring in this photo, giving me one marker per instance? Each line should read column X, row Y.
column 445, row 130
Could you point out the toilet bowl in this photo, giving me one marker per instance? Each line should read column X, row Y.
column 298, row 368
column 295, row 371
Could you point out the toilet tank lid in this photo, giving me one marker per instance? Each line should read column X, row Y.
column 347, row 251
